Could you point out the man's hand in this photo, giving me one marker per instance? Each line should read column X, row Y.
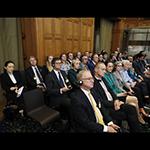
column 116, row 127
column 65, row 89
column 39, row 86
column 133, row 84
column 13, row 88
column 117, row 104
column 111, row 130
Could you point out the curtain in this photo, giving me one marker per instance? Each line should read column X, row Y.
column 105, row 34
column 11, row 42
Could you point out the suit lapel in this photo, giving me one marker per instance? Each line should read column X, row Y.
column 64, row 76
column 86, row 101
column 8, row 78
column 96, row 99
column 32, row 73
column 55, row 77
column 101, row 88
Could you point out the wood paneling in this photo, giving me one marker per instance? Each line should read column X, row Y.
column 54, row 36
column 28, row 38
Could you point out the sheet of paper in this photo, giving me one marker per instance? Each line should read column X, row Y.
column 20, row 91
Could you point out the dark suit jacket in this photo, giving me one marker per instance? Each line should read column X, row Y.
column 72, row 75
column 139, row 67
column 83, row 117
column 53, row 88
column 102, row 95
column 7, row 84
column 91, row 66
column 31, row 82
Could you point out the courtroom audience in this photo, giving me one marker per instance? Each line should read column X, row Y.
column 94, row 92
column 121, row 93
column 117, row 109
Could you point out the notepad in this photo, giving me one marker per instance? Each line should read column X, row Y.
column 20, row 91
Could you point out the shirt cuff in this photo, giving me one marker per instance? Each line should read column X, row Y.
column 110, row 123
column 61, row 92
column 105, row 128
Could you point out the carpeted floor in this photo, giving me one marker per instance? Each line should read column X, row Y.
column 28, row 125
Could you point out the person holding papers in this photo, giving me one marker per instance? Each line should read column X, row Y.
column 11, row 82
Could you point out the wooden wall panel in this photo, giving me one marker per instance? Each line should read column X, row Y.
column 68, row 35
column 40, row 41
column 57, row 36
column 48, row 36
column 54, row 36
column 76, row 35
column 28, row 28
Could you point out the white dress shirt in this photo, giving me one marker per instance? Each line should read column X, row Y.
column 109, row 97
column 36, row 76
column 12, row 78
column 86, row 93
column 56, row 72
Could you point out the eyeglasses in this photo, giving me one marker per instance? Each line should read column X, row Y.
column 119, row 65
column 58, row 62
column 110, row 66
column 103, row 69
column 90, row 78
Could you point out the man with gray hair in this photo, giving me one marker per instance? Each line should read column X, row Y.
column 88, row 115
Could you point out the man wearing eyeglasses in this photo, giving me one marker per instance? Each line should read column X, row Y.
column 88, row 115
column 58, row 88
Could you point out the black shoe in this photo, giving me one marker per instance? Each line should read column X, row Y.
column 145, row 125
column 147, row 106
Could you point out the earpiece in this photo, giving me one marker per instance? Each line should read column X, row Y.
column 80, row 82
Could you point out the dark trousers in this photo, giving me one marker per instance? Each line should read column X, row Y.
column 139, row 95
column 128, row 113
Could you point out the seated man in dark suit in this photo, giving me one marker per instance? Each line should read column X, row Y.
column 117, row 109
column 87, row 113
column 35, row 75
column 58, row 87
column 91, row 63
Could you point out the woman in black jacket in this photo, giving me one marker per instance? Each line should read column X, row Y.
column 11, row 82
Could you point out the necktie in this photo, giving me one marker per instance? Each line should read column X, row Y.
column 39, row 74
column 97, row 112
column 60, row 80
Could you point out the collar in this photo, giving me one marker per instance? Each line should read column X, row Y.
column 85, row 91
column 99, row 79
